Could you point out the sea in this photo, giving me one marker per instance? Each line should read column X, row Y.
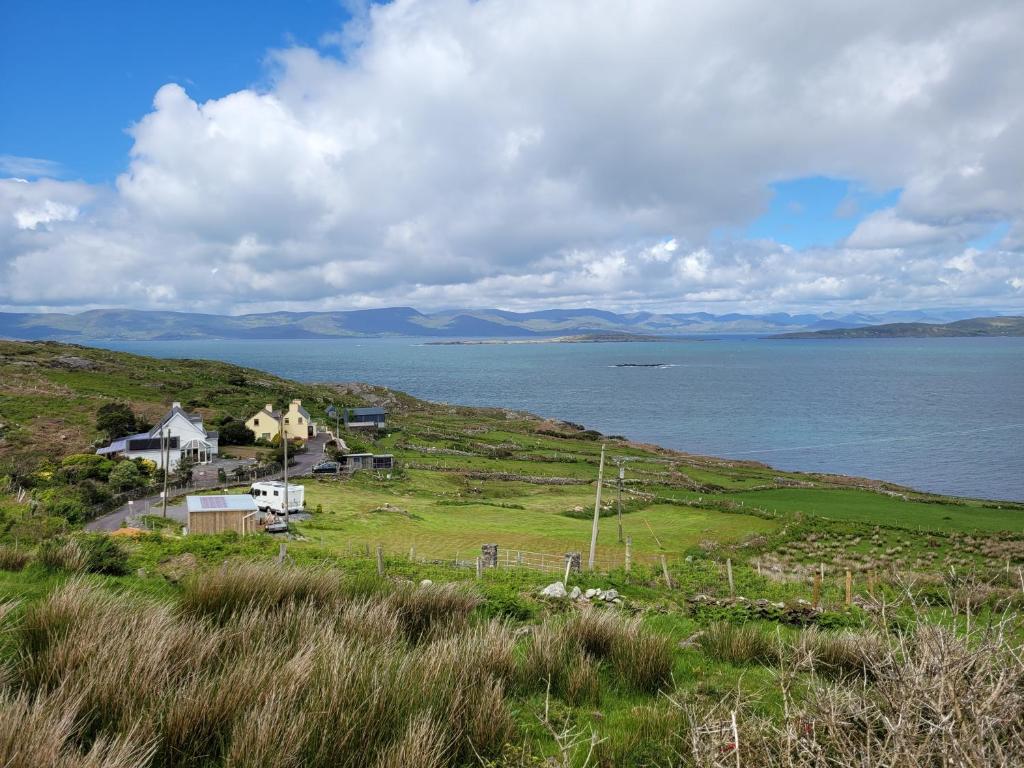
column 940, row 415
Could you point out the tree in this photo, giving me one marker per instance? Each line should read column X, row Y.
column 183, row 471
column 116, row 420
column 236, row 433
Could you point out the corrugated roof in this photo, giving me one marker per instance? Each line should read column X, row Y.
column 236, row 502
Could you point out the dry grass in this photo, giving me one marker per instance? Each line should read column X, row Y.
column 930, row 697
column 311, row 671
column 13, row 559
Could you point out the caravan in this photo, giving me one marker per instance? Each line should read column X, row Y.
column 269, row 496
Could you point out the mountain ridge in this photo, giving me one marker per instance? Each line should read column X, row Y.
column 156, row 325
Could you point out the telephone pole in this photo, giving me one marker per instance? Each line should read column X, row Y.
column 165, row 454
column 597, row 513
column 622, row 474
column 284, row 442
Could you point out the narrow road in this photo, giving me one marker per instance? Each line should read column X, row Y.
column 304, row 463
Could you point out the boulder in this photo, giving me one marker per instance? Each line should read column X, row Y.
column 610, row 595
column 590, row 593
column 575, row 593
column 426, row 583
column 554, row 590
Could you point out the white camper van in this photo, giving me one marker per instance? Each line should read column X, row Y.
column 269, row 496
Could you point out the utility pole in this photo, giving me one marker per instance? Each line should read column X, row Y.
column 165, row 454
column 284, row 442
column 597, row 513
column 622, row 475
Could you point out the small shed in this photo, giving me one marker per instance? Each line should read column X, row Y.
column 219, row 514
column 356, row 461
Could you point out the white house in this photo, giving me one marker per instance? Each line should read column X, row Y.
column 184, row 434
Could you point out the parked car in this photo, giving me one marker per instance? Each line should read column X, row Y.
column 326, row 468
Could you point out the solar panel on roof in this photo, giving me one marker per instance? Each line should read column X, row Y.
column 213, row 502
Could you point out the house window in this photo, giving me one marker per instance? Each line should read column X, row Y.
column 300, row 419
column 286, row 421
column 276, row 493
column 256, row 422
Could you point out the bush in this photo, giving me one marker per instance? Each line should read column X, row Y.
column 104, row 555
column 126, row 476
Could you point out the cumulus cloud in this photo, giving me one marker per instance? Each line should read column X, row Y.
column 524, row 153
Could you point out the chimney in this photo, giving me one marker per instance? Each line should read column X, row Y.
column 175, row 405
column 270, row 407
column 296, row 403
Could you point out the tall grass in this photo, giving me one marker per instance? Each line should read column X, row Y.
column 565, row 655
column 740, row 644
column 13, row 559
column 261, row 666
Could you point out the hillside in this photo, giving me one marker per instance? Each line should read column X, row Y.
column 123, row 324
column 977, row 326
column 751, row 598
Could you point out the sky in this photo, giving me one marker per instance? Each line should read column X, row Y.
column 660, row 155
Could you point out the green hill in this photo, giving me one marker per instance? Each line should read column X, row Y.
column 978, row 326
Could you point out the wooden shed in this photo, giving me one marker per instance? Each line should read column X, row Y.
column 218, row 514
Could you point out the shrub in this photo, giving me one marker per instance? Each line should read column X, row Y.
column 126, row 476
column 104, row 555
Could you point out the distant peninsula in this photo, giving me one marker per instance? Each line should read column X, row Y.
column 581, row 338
column 975, row 327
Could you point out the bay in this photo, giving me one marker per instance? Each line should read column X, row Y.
column 943, row 415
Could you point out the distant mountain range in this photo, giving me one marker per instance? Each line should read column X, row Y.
column 975, row 326
column 140, row 325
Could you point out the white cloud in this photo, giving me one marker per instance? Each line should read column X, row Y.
column 526, row 153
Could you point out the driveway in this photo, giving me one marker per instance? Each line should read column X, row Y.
column 304, row 463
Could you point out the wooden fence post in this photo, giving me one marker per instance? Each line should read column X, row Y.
column 664, row 570
column 849, row 589
column 380, row 559
column 758, row 561
column 817, row 590
column 412, row 553
column 629, row 554
column 728, row 573
column 479, row 567
column 282, row 550
column 366, row 546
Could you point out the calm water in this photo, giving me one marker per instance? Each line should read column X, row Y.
column 943, row 415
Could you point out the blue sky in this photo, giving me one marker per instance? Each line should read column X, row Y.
column 76, row 74
column 524, row 154
column 817, row 211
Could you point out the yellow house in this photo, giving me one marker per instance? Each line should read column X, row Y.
column 267, row 423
